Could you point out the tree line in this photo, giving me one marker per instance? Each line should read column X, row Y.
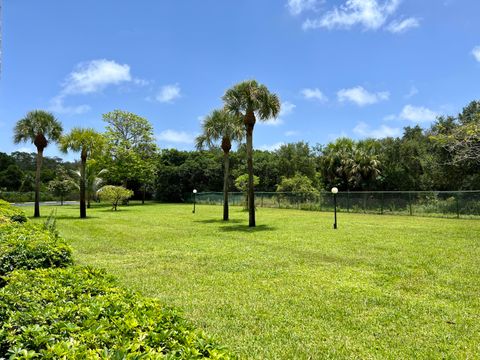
column 445, row 156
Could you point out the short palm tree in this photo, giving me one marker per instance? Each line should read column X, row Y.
column 226, row 127
column 250, row 100
column 87, row 142
column 39, row 127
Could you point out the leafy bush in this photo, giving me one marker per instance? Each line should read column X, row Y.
column 114, row 194
column 80, row 313
column 12, row 212
column 31, row 246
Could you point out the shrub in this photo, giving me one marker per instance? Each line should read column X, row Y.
column 31, row 246
column 114, row 194
column 80, row 313
column 12, row 212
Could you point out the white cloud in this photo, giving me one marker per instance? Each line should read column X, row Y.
column 57, row 105
column 168, row 93
column 173, row 136
column 314, row 94
column 399, row 27
column 371, row 14
column 273, row 122
column 286, row 109
column 361, row 97
column 95, row 75
column 417, row 114
column 91, row 77
column 476, row 53
column 296, row 7
column 25, row 149
column 364, row 130
column 413, row 91
column 271, row 147
column 291, row 133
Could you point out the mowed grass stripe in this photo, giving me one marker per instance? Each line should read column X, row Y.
column 378, row 287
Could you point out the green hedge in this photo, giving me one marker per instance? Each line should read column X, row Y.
column 31, row 246
column 81, row 313
column 11, row 212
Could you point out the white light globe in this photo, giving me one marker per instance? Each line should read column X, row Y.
column 194, row 191
column 334, row 190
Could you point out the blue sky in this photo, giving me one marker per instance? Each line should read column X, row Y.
column 341, row 67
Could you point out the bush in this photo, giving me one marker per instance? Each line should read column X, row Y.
column 13, row 213
column 80, row 313
column 31, row 246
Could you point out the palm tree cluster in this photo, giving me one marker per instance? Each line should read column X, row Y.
column 41, row 127
column 349, row 164
column 243, row 104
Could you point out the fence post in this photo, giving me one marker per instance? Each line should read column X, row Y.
column 348, row 201
column 410, row 202
column 381, row 209
column 458, row 206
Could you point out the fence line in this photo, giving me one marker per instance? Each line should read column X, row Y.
column 454, row 204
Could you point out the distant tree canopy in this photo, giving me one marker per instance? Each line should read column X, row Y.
column 445, row 156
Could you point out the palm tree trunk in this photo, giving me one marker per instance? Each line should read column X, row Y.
column 37, row 182
column 83, row 209
column 250, row 192
column 226, row 160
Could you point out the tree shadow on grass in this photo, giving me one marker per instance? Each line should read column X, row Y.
column 246, row 228
column 219, row 221
column 74, row 217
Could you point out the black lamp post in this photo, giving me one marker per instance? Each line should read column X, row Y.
column 334, row 192
column 194, row 200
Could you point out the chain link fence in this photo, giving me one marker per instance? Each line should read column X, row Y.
column 452, row 204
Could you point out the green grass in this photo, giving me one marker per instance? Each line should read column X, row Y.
column 378, row 287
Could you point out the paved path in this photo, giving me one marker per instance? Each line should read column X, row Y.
column 47, row 203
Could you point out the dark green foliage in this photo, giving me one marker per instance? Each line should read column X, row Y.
column 11, row 212
column 179, row 172
column 31, row 246
column 81, row 313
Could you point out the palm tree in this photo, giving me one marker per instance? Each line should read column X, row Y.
column 39, row 127
column 93, row 181
column 224, row 126
column 85, row 141
column 250, row 100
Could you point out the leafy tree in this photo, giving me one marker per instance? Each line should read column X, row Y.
column 131, row 148
column 296, row 158
column 11, row 177
column 62, row 185
column 87, row 142
column 223, row 126
column 250, row 100
column 298, row 185
column 242, row 184
column 114, row 194
column 39, row 127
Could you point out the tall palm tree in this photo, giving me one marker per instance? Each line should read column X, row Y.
column 250, row 100
column 39, row 127
column 224, row 126
column 86, row 141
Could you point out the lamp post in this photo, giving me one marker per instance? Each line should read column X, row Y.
column 194, row 200
column 335, row 192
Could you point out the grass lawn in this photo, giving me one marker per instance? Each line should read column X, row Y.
column 379, row 287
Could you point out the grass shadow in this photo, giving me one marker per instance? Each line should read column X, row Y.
column 246, row 228
column 219, row 221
